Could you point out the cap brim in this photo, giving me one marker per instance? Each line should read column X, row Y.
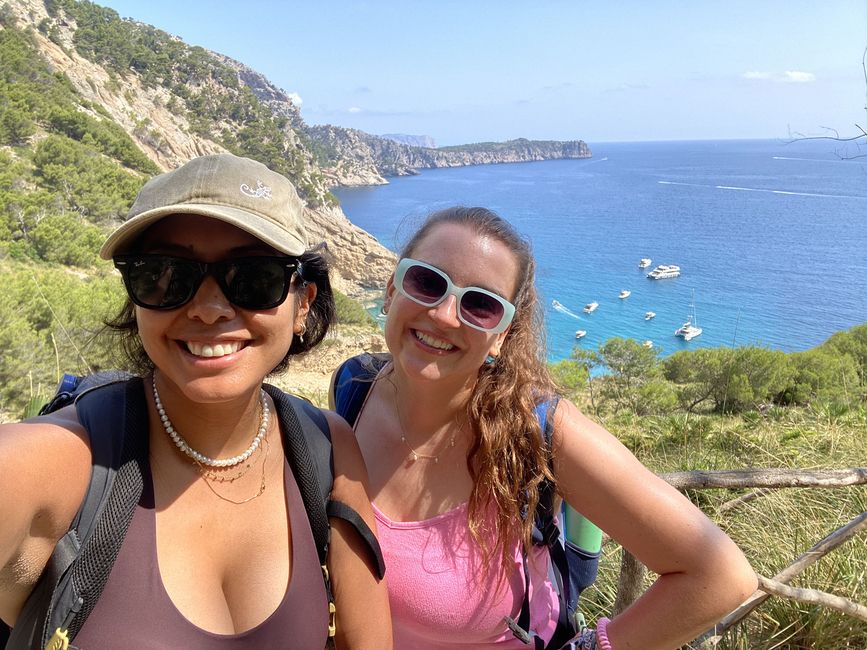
column 261, row 228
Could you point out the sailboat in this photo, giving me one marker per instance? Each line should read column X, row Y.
column 690, row 329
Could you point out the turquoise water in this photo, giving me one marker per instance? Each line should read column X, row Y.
column 770, row 237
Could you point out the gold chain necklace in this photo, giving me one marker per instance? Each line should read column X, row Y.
column 206, row 466
column 413, row 454
column 203, row 472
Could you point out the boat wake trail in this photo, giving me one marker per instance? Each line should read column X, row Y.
column 839, row 160
column 564, row 310
column 761, row 189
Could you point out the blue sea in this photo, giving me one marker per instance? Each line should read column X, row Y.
column 771, row 237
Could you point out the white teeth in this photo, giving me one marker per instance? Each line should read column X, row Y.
column 431, row 341
column 218, row 350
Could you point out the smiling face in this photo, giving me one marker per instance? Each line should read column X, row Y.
column 431, row 342
column 208, row 348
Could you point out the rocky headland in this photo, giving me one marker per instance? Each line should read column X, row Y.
column 349, row 157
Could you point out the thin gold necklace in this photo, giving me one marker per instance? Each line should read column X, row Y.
column 205, row 465
column 203, row 471
column 413, row 454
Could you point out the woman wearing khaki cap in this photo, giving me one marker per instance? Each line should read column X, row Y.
column 219, row 551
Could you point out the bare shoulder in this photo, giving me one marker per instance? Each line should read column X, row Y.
column 346, row 450
column 45, row 465
column 571, row 422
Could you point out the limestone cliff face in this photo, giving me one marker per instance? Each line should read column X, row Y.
column 156, row 118
column 353, row 157
column 413, row 140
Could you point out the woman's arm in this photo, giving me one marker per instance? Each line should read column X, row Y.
column 702, row 573
column 363, row 616
column 44, row 471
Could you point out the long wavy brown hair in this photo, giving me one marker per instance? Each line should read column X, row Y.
column 508, row 458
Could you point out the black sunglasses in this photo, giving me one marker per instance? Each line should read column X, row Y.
column 166, row 282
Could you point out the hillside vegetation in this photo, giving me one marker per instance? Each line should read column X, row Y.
column 739, row 408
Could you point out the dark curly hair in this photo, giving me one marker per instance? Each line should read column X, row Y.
column 313, row 269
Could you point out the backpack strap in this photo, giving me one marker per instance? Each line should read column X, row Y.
column 350, row 515
column 307, row 439
column 547, row 533
column 115, row 417
column 352, row 382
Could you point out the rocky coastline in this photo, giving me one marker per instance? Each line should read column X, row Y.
column 352, row 158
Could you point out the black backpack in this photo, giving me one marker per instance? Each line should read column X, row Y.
column 78, row 569
column 572, row 569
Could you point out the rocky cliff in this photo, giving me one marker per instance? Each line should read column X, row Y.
column 193, row 102
column 413, row 140
column 350, row 157
column 177, row 101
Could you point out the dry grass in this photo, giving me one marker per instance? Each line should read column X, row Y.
column 772, row 529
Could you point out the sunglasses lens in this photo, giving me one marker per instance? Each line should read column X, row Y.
column 164, row 282
column 257, row 282
column 425, row 285
column 482, row 310
column 161, row 282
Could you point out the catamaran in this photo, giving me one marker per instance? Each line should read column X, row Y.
column 690, row 329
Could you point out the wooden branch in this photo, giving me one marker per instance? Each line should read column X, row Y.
column 814, row 597
column 767, row 478
column 805, row 560
column 631, row 581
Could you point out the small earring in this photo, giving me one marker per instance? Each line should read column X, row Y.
column 384, row 309
column 302, row 332
column 490, row 360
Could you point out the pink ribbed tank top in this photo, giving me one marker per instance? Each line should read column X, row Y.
column 440, row 597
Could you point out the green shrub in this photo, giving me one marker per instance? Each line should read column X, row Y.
column 350, row 312
column 50, row 323
column 67, row 239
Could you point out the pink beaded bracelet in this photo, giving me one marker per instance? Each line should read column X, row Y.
column 602, row 634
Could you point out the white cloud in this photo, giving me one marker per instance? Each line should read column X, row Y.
column 796, row 76
column 789, row 76
column 295, row 98
column 354, row 109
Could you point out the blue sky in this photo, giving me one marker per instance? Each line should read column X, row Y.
column 471, row 71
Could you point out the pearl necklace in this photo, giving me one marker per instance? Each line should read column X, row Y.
column 201, row 458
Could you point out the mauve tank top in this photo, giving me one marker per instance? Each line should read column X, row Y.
column 135, row 610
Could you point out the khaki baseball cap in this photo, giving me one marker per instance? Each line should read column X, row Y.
column 239, row 191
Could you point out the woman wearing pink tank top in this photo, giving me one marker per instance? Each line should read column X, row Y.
column 455, row 456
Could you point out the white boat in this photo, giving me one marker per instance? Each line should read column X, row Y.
column 644, row 262
column 625, row 294
column 648, row 344
column 556, row 304
column 649, row 314
column 664, row 271
column 690, row 329
column 590, row 307
column 580, row 334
